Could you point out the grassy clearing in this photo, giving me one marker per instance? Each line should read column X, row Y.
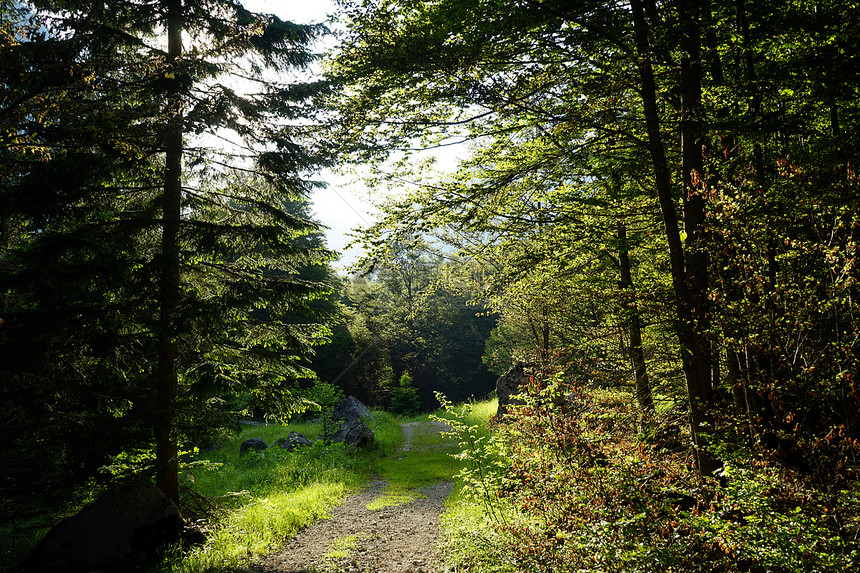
column 265, row 497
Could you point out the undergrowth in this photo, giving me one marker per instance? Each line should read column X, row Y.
column 582, row 482
column 472, row 534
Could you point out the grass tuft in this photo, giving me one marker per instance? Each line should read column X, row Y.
column 343, row 547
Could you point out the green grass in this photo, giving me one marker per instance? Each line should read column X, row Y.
column 471, row 413
column 471, row 540
column 471, row 537
column 266, row 497
column 342, row 547
column 427, row 462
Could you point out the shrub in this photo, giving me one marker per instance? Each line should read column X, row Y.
column 584, row 493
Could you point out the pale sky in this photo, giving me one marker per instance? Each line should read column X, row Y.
column 344, row 205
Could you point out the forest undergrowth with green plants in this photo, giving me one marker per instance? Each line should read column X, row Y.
column 575, row 479
column 578, row 480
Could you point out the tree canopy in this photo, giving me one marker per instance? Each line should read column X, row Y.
column 660, row 198
column 641, row 138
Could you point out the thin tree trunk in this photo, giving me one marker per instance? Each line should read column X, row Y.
column 167, row 463
column 545, row 353
column 633, row 323
column 705, row 463
column 760, row 365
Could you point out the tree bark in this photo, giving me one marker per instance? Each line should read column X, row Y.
column 694, row 204
column 691, row 362
column 167, row 463
column 633, row 323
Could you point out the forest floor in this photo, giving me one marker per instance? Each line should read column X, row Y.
column 388, row 527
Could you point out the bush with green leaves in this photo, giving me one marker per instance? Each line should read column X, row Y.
column 474, row 536
column 583, row 492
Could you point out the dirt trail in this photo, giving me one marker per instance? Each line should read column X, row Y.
column 399, row 539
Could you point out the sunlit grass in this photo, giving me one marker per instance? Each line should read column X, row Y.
column 267, row 497
column 474, row 413
column 342, row 547
column 471, row 537
column 256, row 527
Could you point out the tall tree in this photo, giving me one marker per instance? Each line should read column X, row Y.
column 218, row 239
column 694, row 350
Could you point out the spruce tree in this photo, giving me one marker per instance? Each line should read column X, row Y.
column 166, row 139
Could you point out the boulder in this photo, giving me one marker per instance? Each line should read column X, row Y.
column 355, row 433
column 293, row 441
column 508, row 384
column 350, row 409
column 126, row 527
column 253, row 444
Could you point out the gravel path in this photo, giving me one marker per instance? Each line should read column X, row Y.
column 399, row 539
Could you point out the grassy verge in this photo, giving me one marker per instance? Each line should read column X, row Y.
column 265, row 497
column 471, row 537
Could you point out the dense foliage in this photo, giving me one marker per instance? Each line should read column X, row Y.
column 403, row 317
column 586, row 158
column 573, row 485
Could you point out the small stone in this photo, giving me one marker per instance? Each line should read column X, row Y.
column 256, row 444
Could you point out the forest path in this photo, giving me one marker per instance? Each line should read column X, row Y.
column 398, row 537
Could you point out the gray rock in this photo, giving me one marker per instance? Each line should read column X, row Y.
column 253, row 444
column 355, row 433
column 508, row 384
column 350, row 409
column 126, row 527
column 294, row 441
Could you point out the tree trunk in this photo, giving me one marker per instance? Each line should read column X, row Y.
column 691, row 362
column 634, row 324
column 167, row 463
column 694, row 204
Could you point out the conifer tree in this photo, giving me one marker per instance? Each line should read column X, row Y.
column 193, row 144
